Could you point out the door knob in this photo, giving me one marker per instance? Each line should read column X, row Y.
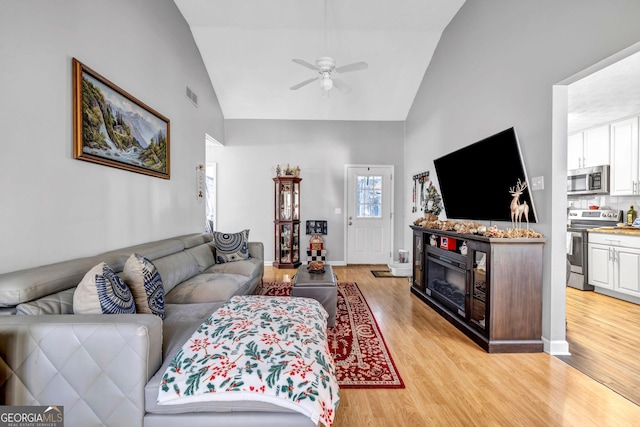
column 350, row 223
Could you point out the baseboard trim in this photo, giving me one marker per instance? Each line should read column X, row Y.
column 556, row 348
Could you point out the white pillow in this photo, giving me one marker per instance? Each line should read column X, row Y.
column 102, row 291
column 142, row 277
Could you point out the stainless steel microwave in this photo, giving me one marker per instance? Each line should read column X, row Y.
column 593, row 180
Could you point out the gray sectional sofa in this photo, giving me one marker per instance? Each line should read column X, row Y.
column 105, row 369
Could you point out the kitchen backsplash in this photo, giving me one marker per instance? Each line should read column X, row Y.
column 608, row 202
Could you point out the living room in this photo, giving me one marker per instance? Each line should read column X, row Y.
column 495, row 67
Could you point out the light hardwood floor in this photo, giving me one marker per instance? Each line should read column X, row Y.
column 603, row 335
column 450, row 381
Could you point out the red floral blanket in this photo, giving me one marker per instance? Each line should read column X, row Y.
column 258, row 348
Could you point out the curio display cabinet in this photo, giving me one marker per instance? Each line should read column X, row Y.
column 287, row 222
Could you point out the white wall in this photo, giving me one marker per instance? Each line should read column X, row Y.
column 54, row 207
column 495, row 67
column 253, row 148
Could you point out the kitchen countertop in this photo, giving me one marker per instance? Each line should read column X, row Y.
column 631, row 231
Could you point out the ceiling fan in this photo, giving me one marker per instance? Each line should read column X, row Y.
column 326, row 68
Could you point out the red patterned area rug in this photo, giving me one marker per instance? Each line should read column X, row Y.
column 361, row 356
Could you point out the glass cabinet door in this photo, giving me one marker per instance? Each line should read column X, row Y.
column 278, row 242
column 418, row 260
column 285, row 243
column 285, row 201
column 296, row 201
column 479, row 289
column 295, row 246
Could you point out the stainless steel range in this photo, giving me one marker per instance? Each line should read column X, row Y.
column 578, row 222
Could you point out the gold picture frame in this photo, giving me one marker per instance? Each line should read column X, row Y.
column 112, row 128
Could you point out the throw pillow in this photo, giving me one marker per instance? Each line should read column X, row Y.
column 102, row 291
column 145, row 283
column 231, row 246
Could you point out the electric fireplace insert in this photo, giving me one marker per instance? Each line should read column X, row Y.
column 446, row 279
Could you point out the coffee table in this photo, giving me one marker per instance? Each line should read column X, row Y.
column 320, row 286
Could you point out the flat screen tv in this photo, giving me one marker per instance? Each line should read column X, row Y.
column 475, row 181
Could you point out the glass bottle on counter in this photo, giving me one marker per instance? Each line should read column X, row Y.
column 631, row 215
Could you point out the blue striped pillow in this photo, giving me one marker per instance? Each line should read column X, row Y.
column 114, row 295
column 102, row 291
column 145, row 283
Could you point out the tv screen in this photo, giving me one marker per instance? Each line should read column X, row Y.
column 475, row 181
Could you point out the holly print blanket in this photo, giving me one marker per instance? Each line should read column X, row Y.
column 258, row 348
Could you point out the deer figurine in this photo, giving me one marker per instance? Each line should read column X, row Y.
column 517, row 209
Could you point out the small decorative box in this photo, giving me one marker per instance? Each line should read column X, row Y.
column 448, row 243
column 316, row 242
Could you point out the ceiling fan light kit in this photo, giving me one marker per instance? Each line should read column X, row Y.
column 326, row 68
column 326, row 83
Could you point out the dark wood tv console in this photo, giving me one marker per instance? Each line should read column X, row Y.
column 489, row 288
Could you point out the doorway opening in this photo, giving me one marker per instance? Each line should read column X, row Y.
column 210, row 198
column 586, row 103
column 211, row 183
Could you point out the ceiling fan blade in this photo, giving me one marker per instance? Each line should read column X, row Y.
column 306, row 64
column 340, row 85
column 304, row 83
column 352, row 67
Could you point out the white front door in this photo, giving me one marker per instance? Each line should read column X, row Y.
column 369, row 214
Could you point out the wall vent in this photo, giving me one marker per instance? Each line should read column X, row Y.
column 192, row 96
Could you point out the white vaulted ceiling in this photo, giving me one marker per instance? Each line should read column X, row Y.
column 248, row 45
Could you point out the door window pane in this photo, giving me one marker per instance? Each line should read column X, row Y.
column 369, row 196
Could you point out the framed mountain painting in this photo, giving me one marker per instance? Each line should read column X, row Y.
column 112, row 128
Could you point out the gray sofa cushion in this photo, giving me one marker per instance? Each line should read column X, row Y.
column 151, row 250
column 192, row 240
column 181, row 321
column 252, row 268
column 245, row 268
column 208, row 288
column 58, row 303
column 26, row 285
column 204, row 255
column 176, row 268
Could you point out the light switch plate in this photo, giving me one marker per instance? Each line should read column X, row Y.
column 537, row 183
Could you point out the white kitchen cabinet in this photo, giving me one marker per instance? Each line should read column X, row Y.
column 625, row 160
column 600, row 265
column 596, row 146
column 588, row 148
column 627, row 275
column 614, row 265
column 575, row 151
